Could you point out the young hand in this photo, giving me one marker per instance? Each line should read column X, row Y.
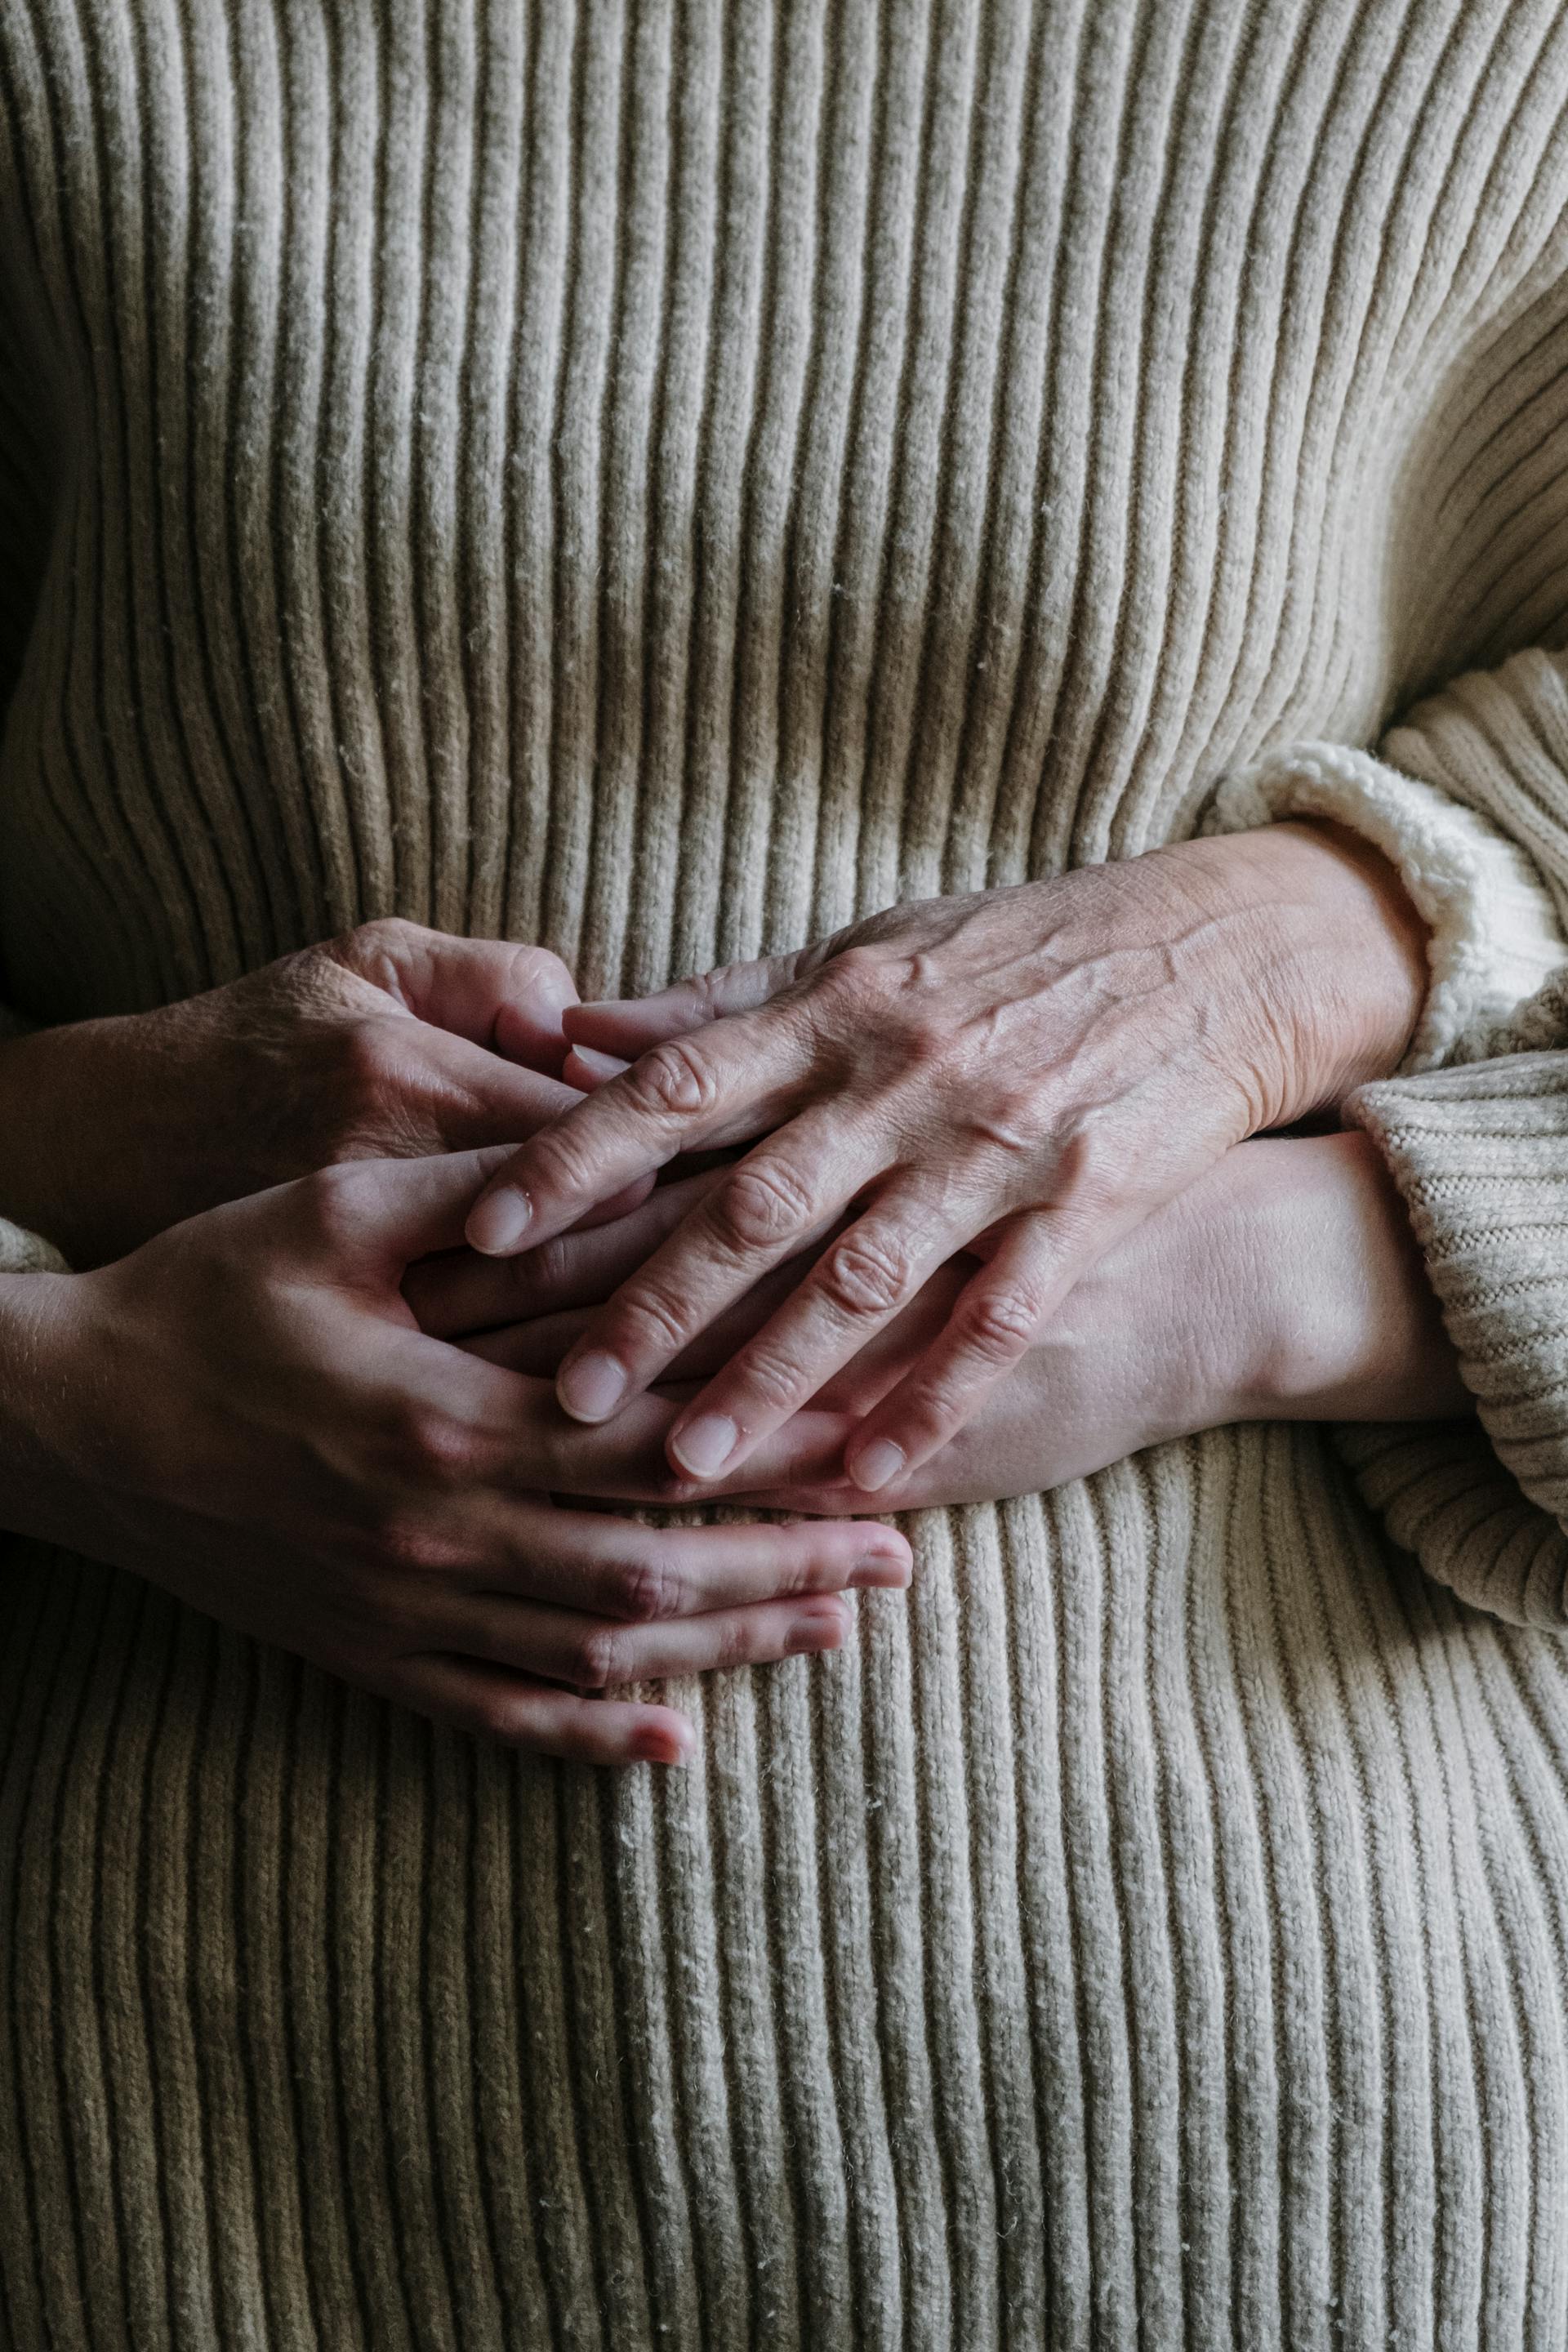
column 1283, row 1284
column 244, row 1411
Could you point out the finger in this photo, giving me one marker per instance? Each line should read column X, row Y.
column 480, row 1098
column 592, row 1653
column 465, row 1292
column 499, row 1704
column 628, row 1027
column 373, row 1216
column 477, row 1101
column 540, row 1347
column 857, row 1289
column 997, row 1317
column 783, row 1199
column 624, row 1572
column 619, row 1204
column 477, row 1431
column 625, row 1461
column 588, row 1070
column 723, row 1086
column 498, row 993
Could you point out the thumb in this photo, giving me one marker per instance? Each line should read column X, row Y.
column 498, row 993
column 629, row 1028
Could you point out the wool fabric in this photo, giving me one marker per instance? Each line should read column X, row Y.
column 662, row 477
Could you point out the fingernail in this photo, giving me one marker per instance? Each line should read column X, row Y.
column 882, row 1570
column 704, row 1445
column 498, row 1223
column 600, row 1066
column 662, row 1744
column 823, row 1630
column 592, row 1388
column 880, row 1463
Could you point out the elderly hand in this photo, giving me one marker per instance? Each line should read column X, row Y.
column 244, row 1411
column 390, row 1042
column 1284, row 1283
column 1030, row 1071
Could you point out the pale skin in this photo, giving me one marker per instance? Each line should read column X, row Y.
column 1026, row 1075
column 235, row 1401
column 1199, row 1317
column 245, row 1411
column 291, row 1413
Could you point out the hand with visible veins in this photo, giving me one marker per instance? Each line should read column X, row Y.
column 1024, row 1075
column 389, row 1041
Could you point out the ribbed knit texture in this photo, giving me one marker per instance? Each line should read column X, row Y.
column 661, row 480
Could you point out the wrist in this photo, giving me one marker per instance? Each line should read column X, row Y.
column 1342, row 1322
column 1345, row 957
column 53, row 1159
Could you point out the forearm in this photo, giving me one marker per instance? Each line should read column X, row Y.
column 1334, row 1319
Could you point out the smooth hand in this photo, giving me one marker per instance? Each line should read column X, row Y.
column 1024, row 1075
column 244, row 1411
column 1284, row 1283
column 389, row 1041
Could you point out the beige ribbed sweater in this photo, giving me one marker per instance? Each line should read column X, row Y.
column 659, row 480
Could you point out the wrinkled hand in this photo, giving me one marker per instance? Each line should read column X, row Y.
column 244, row 1411
column 1284, row 1283
column 389, row 1041
column 1026, row 1073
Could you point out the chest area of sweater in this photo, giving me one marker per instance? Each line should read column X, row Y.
column 697, row 473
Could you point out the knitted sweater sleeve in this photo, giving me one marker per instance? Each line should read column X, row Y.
column 1468, row 797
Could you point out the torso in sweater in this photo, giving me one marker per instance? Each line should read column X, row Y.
column 661, row 482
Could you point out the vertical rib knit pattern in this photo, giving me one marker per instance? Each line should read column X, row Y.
column 661, row 479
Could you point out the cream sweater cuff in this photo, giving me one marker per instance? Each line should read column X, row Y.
column 1481, row 1155
column 1495, row 935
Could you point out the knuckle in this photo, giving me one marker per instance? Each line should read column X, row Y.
column 856, row 972
column 381, row 951
column 1092, row 1162
column 1009, row 1120
column 649, row 1319
column 762, row 1203
column 367, row 1067
column 387, row 934
column 736, row 1643
column 641, row 1589
column 560, row 1160
column 779, row 1383
column 534, row 967
column 674, row 1080
column 334, row 1205
column 410, row 1546
column 1002, row 1323
column 594, row 1657
column 867, row 1276
column 368, row 947
column 709, row 989
column 438, row 1447
column 540, row 1273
